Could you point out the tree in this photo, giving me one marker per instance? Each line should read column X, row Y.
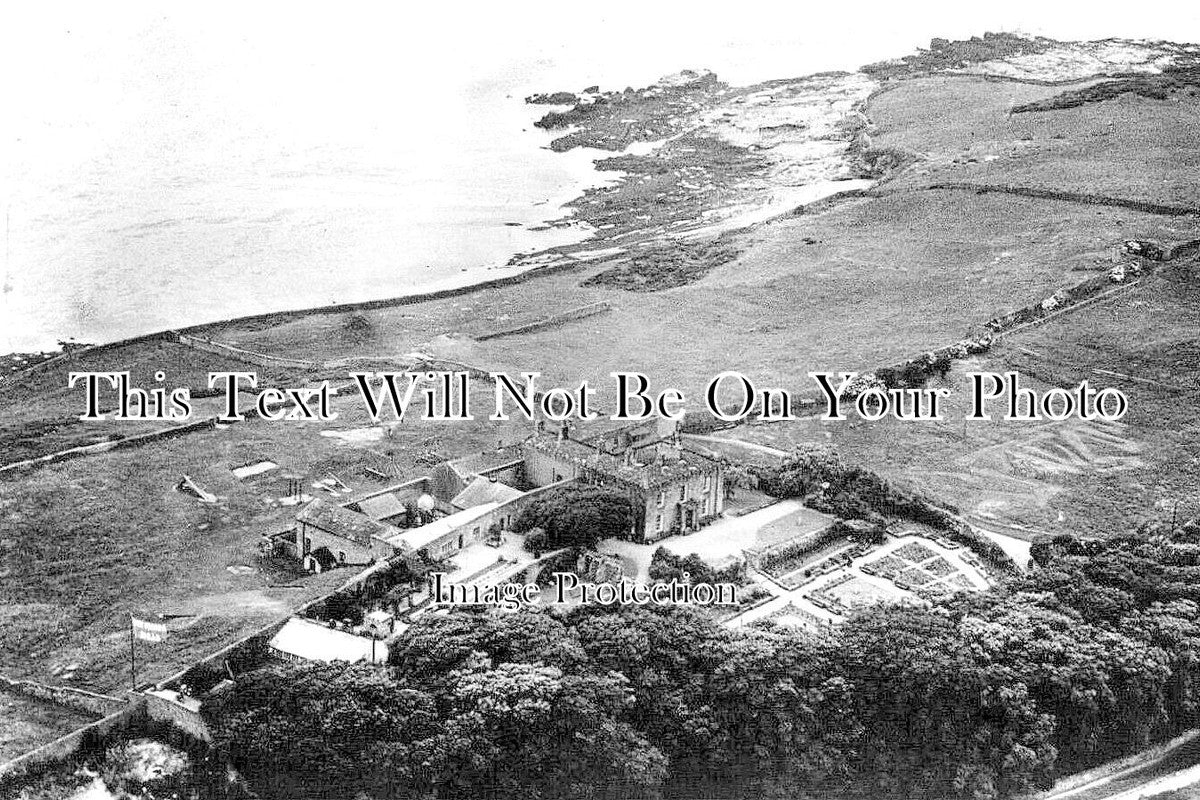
column 665, row 566
column 578, row 515
column 666, row 653
column 307, row 730
column 785, row 712
column 982, row 695
column 1104, row 690
column 532, row 730
column 936, row 719
column 536, row 541
column 437, row 645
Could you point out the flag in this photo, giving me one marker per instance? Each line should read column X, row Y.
column 147, row 630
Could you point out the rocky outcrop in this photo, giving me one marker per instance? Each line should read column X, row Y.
column 666, row 265
column 552, row 99
column 614, row 120
column 1035, row 59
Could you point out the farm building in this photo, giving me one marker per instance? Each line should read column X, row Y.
column 352, row 537
column 396, row 505
column 444, row 536
column 484, row 490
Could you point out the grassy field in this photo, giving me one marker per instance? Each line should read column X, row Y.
column 1028, row 477
column 1130, row 147
column 1087, row 477
column 865, row 283
column 868, row 282
column 884, row 279
column 85, row 542
column 26, row 723
column 39, row 413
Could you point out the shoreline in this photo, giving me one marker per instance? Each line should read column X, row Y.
column 296, row 313
column 615, row 175
column 565, row 260
column 617, row 172
column 887, row 269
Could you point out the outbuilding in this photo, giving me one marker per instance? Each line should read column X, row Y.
column 304, row 640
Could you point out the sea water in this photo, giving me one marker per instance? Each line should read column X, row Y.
column 162, row 167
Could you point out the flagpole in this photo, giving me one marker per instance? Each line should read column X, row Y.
column 132, row 658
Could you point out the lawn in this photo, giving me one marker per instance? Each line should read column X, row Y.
column 1092, row 478
column 858, row 592
column 29, row 723
column 39, row 412
column 865, row 283
column 86, row 542
column 801, row 522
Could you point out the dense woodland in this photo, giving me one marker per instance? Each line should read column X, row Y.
column 1091, row 656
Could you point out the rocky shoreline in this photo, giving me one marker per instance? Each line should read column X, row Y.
column 697, row 156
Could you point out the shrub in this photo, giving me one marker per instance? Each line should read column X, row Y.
column 536, row 541
column 565, row 561
column 854, row 493
column 665, row 567
column 201, row 678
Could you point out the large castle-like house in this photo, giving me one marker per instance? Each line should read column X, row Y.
column 674, row 489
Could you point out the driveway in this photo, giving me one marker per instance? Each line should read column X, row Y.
column 725, row 537
column 729, row 536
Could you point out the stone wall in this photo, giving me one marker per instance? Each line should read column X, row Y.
column 64, row 746
column 166, row 710
column 561, row 318
column 115, row 444
column 249, row 356
column 78, row 699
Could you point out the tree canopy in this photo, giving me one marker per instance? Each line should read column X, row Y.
column 1091, row 656
column 578, row 516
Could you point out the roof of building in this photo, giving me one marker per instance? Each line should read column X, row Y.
column 382, row 506
column 343, row 522
column 484, row 490
column 615, row 440
column 481, row 462
column 650, row 467
column 417, row 538
column 312, row 641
